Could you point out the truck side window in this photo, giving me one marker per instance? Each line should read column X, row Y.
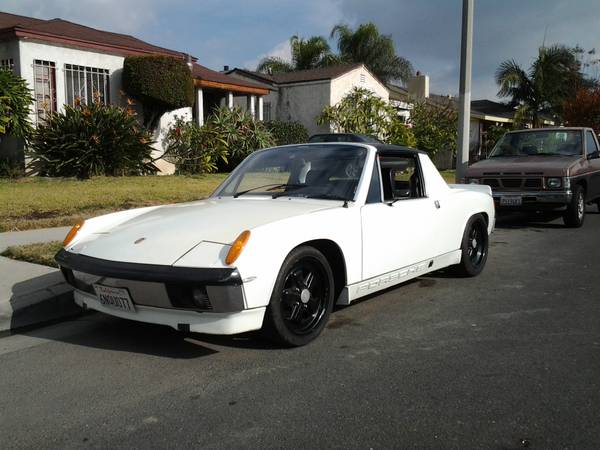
column 590, row 144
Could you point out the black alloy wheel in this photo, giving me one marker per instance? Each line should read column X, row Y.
column 474, row 248
column 302, row 298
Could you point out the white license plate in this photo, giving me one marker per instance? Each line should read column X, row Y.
column 513, row 200
column 115, row 298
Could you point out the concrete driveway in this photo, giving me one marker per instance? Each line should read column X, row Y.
column 510, row 359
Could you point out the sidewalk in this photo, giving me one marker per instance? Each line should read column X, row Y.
column 31, row 294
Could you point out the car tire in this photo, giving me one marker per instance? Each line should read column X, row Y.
column 575, row 213
column 474, row 248
column 302, row 298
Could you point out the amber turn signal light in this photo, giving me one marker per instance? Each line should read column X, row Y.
column 73, row 232
column 236, row 248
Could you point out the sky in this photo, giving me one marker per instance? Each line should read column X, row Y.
column 239, row 33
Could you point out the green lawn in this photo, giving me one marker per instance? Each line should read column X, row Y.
column 35, row 253
column 448, row 175
column 38, row 202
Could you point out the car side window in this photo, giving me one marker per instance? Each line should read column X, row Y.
column 374, row 194
column 401, row 178
column 590, row 144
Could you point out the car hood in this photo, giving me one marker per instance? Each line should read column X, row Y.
column 523, row 165
column 162, row 235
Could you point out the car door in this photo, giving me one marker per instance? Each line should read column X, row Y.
column 398, row 219
column 592, row 165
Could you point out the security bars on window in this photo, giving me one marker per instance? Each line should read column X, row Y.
column 44, row 73
column 7, row 64
column 86, row 85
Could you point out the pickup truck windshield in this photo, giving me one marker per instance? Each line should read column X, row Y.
column 544, row 143
column 329, row 172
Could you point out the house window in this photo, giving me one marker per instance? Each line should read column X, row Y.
column 7, row 64
column 267, row 111
column 86, row 84
column 362, row 78
column 44, row 73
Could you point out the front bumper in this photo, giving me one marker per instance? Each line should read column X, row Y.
column 165, row 294
column 534, row 199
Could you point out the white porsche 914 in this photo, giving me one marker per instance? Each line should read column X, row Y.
column 289, row 233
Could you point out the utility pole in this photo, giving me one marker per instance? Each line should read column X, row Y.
column 464, row 111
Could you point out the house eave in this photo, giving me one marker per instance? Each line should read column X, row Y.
column 230, row 87
column 22, row 33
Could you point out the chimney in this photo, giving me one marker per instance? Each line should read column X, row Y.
column 418, row 86
column 225, row 68
column 188, row 60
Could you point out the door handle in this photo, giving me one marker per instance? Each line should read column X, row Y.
column 437, row 204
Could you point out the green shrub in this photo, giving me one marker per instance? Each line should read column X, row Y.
column 194, row 149
column 15, row 100
column 11, row 168
column 285, row 133
column 360, row 111
column 240, row 132
column 399, row 133
column 226, row 138
column 435, row 126
column 160, row 83
column 97, row 139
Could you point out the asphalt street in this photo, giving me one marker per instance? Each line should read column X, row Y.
column 510, row 359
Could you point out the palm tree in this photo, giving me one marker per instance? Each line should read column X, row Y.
column 308, row 53
column 553, row 77
column 376, row 51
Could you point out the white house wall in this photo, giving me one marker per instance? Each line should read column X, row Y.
column 61, row 55
column 343, row 84
column 304, row 103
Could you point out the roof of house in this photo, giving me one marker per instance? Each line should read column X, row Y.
column 300, row 76
column 65, row 32
column 69, row 33
column 491, row 108
column 210, row 78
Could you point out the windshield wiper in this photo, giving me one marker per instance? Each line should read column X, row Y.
column 329, row 197
column 271, row 187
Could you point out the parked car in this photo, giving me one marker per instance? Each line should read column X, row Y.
column 290, row 232
column 543, row 169
column 344, row 137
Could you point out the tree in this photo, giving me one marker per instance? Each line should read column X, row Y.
column 160, row 83
column 435, row 126
column 15, row 100
column 362, row 112
column 308, row 53
column 554, row 76
column 376, row 51
column 584, row 109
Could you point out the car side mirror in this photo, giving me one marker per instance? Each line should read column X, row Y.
column 594, row 155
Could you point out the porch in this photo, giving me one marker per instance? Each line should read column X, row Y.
column 215, row 89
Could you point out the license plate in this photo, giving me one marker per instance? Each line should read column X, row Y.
column 511, row 201
column 115, row 298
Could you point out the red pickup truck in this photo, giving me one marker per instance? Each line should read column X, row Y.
column 543, row 169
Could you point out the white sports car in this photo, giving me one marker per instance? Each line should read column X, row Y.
column 290, row 232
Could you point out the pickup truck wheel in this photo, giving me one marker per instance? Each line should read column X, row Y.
column 302, row 298
column 474, row 248
column 575, row 213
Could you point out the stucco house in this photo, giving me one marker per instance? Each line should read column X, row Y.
column 302, row 95
column 62, row 61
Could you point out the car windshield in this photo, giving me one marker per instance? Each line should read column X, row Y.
column 312, row 171
column 543, row 142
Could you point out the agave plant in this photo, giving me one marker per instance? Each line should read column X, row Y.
column 88, row 140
